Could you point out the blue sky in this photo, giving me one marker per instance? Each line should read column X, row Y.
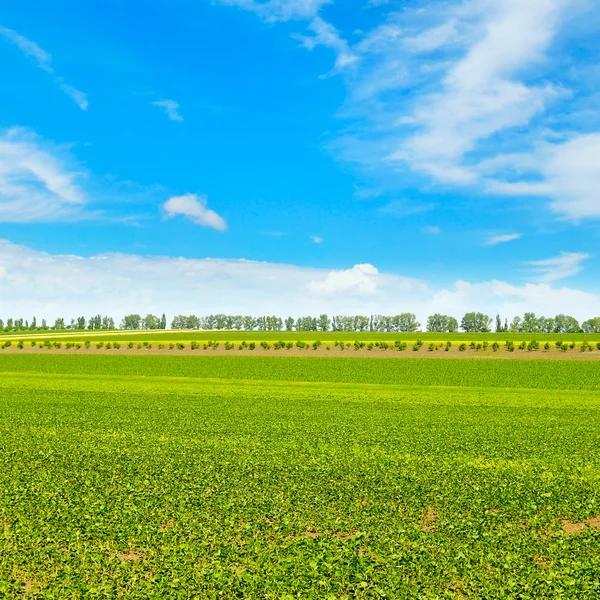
column 377, row 156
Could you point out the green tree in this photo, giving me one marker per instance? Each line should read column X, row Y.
column 323, row 323
column 150, row 322
column 591, row 325
column 163, row 321
column 131, row 322
column 476, row 322
column 441, row 324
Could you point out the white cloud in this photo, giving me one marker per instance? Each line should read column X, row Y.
column 50, row 285
column 327, row 35
column 400, row 209
column 44, row 61
column 171, row 109
column 502, row 239
column 36, row 184
column 433, row 230
column 559, row 267
column 194, row 208
column 316, row 239
column 280, row 10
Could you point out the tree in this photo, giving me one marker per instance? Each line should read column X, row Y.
column 591, row 325
column 530, row 323
column 289, row 324
column 566, row 324
column 476, row 322
column 498, row 324
column 163, row 321
column 441, row 324
column 323, row 323
column 131, row 322
column 108, row 323
column 407, row 322
column 150, row 322
column 80, row 323
column 517, row 325
column 59, row 323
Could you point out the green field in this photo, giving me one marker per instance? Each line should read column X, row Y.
column 308, row 336
column 275, row 477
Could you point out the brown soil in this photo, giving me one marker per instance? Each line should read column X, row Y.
column 571, row 528
column 453, row 353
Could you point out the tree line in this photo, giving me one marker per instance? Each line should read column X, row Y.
column 472, row 322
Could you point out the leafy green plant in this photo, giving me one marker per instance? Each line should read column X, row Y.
column 462, row 347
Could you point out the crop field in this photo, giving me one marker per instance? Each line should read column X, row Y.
column 278, row 477
column 168, row 335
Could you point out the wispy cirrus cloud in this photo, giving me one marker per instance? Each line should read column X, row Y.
column 566, row 264
column 280, row 10
column 44, row 61
column 171, row 109
column 38, row 181
column 502, row 239
column 449, row 91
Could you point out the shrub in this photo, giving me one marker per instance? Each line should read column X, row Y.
column 33, row 344
column 69, row 345
column 108, row 345
column 479, row 346
column 139, row 346
column 348, row 344
column 172, row 346
column 598, row 345
column 301, row 344
column 419, row 343
column 265, row 345
column 195, row 346
column 146, row 344
column 400, row 346
column 7, row 344
column 495, row 346
column 47, row 344
column 384, row 345
column 485, row 345
column 448, row 346
column 523, row 345
column 416, row 347
column 181, row 346
column 161, row 346
column 358, row 345
column 462, row 347
column 279, row 345
column 370, row 346
column 20, row 344
column 290, row 345
column 229, row 346
column 559, row 345
column 99, row 345
column 572, row 345
column 533, row 345
column 547, row 346
column 472, row 345
column 57, row 344
column 431, row 347
column 116, row 345
column 251, row 346
column 77, row 346
column 130, row 345
column 87, row 344
column 316, row 344
column 510, row 346
column 328, row 347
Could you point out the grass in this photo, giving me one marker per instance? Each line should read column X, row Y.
column 533, row 373
column 167, row 336
column 260, row 477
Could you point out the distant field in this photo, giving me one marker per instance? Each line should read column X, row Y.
column 168, row 335
column 275, row 477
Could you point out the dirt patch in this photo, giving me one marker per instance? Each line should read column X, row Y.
column 429, row 521
column 571, row 528
column 312, row 534
column 132, row 556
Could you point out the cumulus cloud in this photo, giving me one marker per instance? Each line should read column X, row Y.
column 36, row 182
column 44, row 61
column 52, row 285
column 316, row 239
column 194, row 208
column 566, row 264
column 171, row 109
column 502, row 239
